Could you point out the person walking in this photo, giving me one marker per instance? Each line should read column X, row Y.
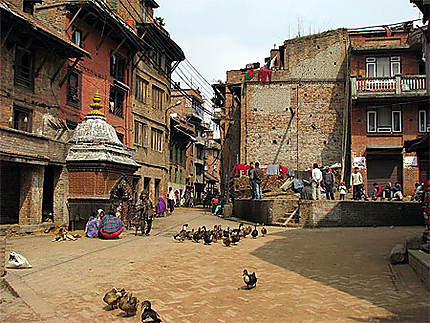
column 328, row 180
column 259, row 176
column 251, row 175
column 357, row 184
column 171, row 200
column 146, row 211
column 316, row 182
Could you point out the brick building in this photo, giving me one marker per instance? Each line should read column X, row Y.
column 389, row 104
column 212, row 164
column 297, row 117
column 189, row 109
column 33, row 139
column 133, row 58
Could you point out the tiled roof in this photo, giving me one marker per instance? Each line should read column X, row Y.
column 39, row 26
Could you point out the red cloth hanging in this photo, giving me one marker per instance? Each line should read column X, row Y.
column 283, row 171
column 263, row 75
column 241, row 167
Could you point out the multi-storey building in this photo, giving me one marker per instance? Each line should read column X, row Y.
column 133, row 57
column 190, row 107
column 33, row 137
column 389, row 104
column 293, row 115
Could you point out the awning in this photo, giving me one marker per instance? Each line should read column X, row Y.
column 419, row 144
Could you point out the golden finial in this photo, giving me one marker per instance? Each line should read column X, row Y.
column 96, row 106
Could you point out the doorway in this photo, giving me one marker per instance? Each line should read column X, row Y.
column 48, row 194
column 383, row 168
column 157, row 189
column 10, row 188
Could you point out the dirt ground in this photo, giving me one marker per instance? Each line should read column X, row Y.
column 322, row 275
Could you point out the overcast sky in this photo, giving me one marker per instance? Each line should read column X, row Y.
column 219, row 35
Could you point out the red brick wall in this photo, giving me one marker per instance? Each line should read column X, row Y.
column 360, row 139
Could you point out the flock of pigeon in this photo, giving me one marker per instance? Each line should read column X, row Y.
column 228, row 236
column 129, row 305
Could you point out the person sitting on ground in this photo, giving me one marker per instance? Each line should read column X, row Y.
column 342, row 191
column 110, row 226
column 387, row 193
column 397, row 192
column 160, row 209
column 419, row 192
column 93, row 225
column 377, row 191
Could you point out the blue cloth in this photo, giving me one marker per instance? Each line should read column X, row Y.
column 92, row 227
column 110, row 224
column 272, row 170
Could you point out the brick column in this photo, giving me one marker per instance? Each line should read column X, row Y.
column 31, row 195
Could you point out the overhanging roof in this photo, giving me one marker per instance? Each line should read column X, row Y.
column 419, row 144
column 37, row 26
column 160, row 40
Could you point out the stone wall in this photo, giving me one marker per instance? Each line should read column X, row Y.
column 265, row 211
column 359, row 213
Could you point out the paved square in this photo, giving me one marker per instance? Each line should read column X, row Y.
column 323, row 275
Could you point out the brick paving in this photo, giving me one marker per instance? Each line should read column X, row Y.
column 337, row 274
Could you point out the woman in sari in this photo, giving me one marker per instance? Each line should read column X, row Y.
column 93, row 225
column 161, row 208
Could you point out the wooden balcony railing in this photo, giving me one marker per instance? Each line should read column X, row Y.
column 397, row 85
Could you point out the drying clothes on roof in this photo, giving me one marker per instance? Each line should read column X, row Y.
column 263, row 75
column 241, row 167
column 272, row 170
column 283, row 170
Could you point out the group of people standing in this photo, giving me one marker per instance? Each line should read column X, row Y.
column 256, row 176
column 327, row 181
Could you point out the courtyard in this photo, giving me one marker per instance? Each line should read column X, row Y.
column 321, row 275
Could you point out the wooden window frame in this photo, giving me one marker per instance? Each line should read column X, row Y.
column 113, row 104
column 393, row 112
column 157, row 140
column 19, row 79
column 375, row 121
column 69, row 100
column 426, row 125
column 28, row 114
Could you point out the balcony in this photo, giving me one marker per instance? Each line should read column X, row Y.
column 386, row 87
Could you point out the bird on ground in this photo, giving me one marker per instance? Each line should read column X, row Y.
column 112, row 297
column 198, row 235
column 238, row 230
column 226, row 232
column 181, row 235
column 246, row 231
column 208, row 237
column 190, row 234
column 254, row 232
column 263, row 231
column 227, row 241
column 128, row 303
column 235, row 238
column 250, row 279
column 148, row 314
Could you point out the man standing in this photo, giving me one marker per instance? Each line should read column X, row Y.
column 171, row 200
column 357, row 184
column 316, row 182
column 329, row 184
column 259, row 176
column 146, row 211
column 251, row 175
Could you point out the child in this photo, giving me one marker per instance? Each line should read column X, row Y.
column 342, row 191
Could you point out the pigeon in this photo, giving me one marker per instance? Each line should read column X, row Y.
column 249, row 279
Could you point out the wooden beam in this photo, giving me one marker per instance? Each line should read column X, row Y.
column 58, row 70
column 138, row 61
column 36, row 74
column 69, row 69
column 73, row 19
column 7, row 34
column 102, row 39
column 118, row 47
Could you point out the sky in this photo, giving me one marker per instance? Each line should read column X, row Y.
column 220, row 35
